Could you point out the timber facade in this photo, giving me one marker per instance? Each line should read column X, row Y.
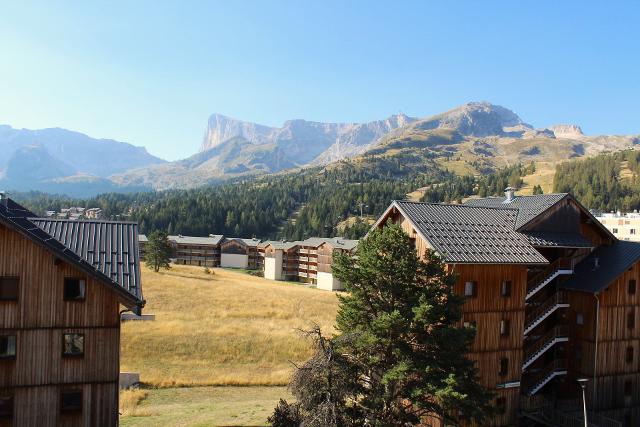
column 62, row 284
column 553, row 297
column 307, row 261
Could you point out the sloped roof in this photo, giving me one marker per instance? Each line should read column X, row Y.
column 471, row 234
column 613, row 260
column 557, row 239
column 212, row 239
column 528, row 207
column 20, row 219
column 246, row 242
column 339, row 242
column 110, row 247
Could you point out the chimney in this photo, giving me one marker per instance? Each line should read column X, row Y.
column 509, row 194
column 4, row 199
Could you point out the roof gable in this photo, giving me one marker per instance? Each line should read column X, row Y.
column 471, row 234
column 18, row 218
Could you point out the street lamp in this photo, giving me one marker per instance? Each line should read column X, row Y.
column 583, row 385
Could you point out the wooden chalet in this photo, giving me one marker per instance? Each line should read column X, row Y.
column 62, row 287
column 552, row 295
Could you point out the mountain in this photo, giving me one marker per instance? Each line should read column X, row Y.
column 474, row 138
column 234, row 148
column 62, row 160
column 303, row 142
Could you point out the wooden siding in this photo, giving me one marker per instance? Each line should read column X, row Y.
column 40, row 406
column 38, row 319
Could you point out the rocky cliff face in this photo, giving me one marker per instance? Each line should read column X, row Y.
column 567, row 131
column 303, row 142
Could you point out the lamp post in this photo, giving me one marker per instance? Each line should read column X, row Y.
column 583, row 385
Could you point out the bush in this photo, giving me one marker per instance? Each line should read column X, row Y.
column 285, row 415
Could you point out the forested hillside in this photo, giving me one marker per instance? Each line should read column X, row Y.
column 606, row 182
column 311, row 202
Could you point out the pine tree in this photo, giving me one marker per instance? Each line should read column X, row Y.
column 158, row 251
column 403, row 320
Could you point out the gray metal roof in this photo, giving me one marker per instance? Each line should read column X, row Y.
column 111, row 247
column 557, row 239
column 470, row 234
column 212, row 239
column 339, row 242
column 613, row 260
column 248, row 242
column 19, row 219
column 528, row 207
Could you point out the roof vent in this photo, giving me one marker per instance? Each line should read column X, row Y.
column 509, row 194
column 596, row 263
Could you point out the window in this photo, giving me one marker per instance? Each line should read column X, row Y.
column 9, row 288
column 628, row 388
column 505, row 290
column 578, row 352
column 501, row 405
column 579, row 319
column 615, row 231
column 632, row 231
column 631, row 320
column 73, row 289
column 504, row 366
column 470, row 324
column 7, row 347
column 629, row 357
column 504, row 327
column 632, row 287
column 6, row 407
column 71, row 401
column 470, row 289
column 72, row 345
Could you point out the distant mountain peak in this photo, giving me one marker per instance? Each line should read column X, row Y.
column 567, row 131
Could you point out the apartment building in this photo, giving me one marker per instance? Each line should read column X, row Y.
column 623, row 226
column 552, row 295
column 307, row 261
column 63, row 284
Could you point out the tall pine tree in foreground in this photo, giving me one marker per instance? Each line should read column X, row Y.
column 405, row 338
column 157, row 251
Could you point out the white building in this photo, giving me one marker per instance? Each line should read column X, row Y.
column 623, row 226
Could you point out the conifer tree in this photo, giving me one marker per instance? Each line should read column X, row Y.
column 158, row 251
column 403, row 320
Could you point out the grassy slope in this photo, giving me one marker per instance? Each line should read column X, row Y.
column 227, row 328
column 199, row 406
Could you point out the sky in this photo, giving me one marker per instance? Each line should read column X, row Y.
column 151, row 73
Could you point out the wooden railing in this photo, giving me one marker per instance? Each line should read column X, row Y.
column 559, row 264
column 556, row 365
column 560, row 297
column 561, row 331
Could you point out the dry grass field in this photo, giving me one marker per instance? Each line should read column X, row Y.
column 199, row 406
column 227, row 328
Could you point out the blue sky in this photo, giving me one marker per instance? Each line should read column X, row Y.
column 150, row 73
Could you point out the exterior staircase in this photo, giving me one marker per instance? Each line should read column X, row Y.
column 556, row 368
column 557, row 268
column 544, row 343
column 544, row 310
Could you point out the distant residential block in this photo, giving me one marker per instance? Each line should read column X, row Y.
column 624, row 226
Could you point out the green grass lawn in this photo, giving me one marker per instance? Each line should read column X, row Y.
column 200, row 406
